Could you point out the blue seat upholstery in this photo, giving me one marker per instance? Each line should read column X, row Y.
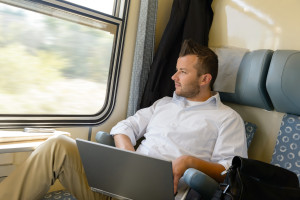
column 250, row 86
column 59, row 195
column 250, row 130
column 283, row 81
column 287, row 149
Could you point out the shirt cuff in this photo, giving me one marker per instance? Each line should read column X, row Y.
column 124, row 131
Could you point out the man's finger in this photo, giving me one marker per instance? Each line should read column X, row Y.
column 176, row 180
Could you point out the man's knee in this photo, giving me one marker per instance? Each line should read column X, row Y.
column 60, row 143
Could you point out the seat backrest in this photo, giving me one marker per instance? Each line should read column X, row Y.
column 283, row 87
column 250, row 88
column 283, row 81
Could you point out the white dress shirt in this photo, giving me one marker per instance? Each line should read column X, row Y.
column 174, row 127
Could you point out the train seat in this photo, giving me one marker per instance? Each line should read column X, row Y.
column 282, row 85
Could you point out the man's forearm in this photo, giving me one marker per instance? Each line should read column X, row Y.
column 123, row 142
column 213, row 170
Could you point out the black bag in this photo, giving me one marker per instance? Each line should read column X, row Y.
column 252, row 179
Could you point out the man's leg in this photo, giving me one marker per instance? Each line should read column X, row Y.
column 58, row 157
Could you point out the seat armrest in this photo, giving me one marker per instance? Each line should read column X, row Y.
column 105, row 138
column 202, row 183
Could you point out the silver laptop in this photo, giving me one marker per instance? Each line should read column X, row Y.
column 124, row 174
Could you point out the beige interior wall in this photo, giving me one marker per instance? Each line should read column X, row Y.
column 254, row 24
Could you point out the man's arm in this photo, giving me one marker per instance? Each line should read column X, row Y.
column 123, row 142
column 181, row 164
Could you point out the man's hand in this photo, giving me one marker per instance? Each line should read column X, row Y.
column 182, row 163
column 179, row 166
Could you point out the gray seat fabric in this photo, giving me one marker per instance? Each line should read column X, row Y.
column 283, row 81
column 250, row 87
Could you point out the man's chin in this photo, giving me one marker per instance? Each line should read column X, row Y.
column 178, row 93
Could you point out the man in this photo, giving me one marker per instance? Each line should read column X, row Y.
column 193, row 129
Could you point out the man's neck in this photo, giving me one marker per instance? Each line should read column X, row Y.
column 203, row 96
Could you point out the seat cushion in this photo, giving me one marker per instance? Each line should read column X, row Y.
column 287, row 149
column 250, row 130
column 59, row 195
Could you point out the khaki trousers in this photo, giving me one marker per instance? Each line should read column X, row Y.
column 56, row 158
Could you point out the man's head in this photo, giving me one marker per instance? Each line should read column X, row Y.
column 197, row 67
column 207, row 59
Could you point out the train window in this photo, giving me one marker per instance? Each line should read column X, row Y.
column 59, row 60
column 106, row 6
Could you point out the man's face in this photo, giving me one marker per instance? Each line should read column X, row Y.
column 187, row 83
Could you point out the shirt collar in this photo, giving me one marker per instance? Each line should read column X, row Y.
column 214, row 100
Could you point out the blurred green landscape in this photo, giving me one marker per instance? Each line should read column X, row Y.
column 51, row 66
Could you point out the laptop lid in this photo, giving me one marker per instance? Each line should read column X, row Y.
column 124, row 174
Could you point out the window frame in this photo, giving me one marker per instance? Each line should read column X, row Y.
column 60, row 120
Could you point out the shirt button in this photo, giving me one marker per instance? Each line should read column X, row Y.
column 173, row 124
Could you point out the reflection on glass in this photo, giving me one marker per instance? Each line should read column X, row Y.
column 52, row 66
column 105, row 6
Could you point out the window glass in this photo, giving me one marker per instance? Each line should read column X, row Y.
column 105, row 6
column 54, row 63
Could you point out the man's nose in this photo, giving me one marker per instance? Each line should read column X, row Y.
column 174, row 76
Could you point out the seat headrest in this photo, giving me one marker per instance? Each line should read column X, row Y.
column 283, row 81
column 250, row 86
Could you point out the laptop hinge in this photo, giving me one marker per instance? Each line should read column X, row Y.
column 109, row 194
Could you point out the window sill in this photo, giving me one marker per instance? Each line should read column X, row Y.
column 18, row 141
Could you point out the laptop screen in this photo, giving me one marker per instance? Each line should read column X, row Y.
column 124, row 174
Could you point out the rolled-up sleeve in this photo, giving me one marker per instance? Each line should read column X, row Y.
column 231, row 141
column 135, row 126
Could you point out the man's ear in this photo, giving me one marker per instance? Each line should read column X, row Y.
column 205, row 79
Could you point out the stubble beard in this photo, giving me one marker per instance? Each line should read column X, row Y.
column 188, row 92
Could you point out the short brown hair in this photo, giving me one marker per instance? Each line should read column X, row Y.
column 207, row 59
